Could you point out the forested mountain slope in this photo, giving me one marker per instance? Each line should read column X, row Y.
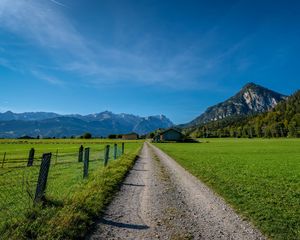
column 281, row 121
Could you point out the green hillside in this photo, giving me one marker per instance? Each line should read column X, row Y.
column 281, row 121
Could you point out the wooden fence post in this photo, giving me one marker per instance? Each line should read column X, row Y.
column 4, row 157
column 123, row 148
column 56, row 156
column 43, row 177
column 106, row 156
column 80, row 154
column 30, row 157
column 115, row 151
column 86, row 162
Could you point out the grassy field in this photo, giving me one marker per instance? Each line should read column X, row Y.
column 17, row 150
column 18, row 182
column 260, row 178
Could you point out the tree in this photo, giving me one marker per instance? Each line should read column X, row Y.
column 239, row 131
column 87, row 135
column 152, row 135
column 268, row 132
column 245, row 131
column 112, row 136
column 232, row 132
column 294, row 126
column 26, row 137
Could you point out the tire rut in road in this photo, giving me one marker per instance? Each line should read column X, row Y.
column 211, row 215
column 160, row 200
column 147, row 206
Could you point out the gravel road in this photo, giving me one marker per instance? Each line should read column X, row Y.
column 160, row 200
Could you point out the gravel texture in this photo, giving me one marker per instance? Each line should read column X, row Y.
column 160, row 200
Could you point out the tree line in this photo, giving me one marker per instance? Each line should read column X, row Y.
column 281, row 121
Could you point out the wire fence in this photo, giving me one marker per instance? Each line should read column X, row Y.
column 55, row 175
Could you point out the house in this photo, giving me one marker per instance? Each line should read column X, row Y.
column 171, row 134
column 130, row 136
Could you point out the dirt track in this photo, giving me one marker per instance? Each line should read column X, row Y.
column 160, row 200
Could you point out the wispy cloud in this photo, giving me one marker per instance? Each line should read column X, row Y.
column 39, row 22
column 50, row 79
column 7, row 64
column 58, row 3
column 45, row 24
column 4, row 106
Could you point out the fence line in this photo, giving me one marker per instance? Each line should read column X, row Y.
column 4, row 156
column 28, row 180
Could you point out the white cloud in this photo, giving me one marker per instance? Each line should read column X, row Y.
column 50, row 79
column 7, row 64
column 44, row 24
column 58, row 3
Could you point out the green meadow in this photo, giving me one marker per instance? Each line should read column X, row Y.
column 66, row 149
column 260, row 178
column 65, row 179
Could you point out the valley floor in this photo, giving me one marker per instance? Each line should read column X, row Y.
column 160, row 200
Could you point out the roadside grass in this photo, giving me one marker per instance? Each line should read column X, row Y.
column 65, row 182
column 260, row 178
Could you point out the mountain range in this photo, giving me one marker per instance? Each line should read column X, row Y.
column 251, row 99
column 45, row 124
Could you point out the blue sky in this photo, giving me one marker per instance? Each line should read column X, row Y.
column 144, row 57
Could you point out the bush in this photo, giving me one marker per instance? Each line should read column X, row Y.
column 112, row 136
column 87, row 136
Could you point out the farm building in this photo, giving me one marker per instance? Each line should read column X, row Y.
column 130, row 136
column 171, row 134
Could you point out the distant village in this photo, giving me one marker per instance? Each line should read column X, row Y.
column 160, row 135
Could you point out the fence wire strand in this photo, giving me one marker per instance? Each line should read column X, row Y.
column 18, row 182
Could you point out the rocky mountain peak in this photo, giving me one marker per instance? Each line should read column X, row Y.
column 252, row 98
column 260, row 99
column 250, row 85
